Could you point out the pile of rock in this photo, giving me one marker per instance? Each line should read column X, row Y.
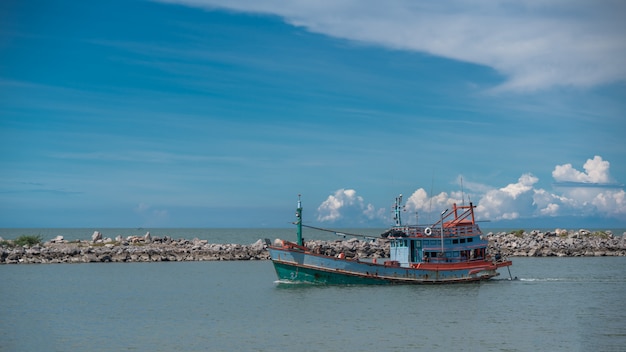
column 131, row 249
column 155, row 249
column 352, row 248
column 560, row 243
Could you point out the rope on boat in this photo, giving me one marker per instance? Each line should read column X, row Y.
column 338, row 233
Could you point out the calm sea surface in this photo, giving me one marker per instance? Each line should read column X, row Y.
column 558, row 304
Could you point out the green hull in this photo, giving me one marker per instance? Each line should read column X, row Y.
column 295, row 273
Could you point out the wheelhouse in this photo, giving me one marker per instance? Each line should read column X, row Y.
column 456, row 238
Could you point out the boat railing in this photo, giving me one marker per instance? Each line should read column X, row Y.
column 453, row 231
column 460, row 231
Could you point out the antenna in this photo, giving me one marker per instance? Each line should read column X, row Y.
column 430, row 210
column 462, row 193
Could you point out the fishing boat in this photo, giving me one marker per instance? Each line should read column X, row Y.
column 451, row 250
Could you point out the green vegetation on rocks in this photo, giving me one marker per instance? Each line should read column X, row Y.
column 24, row 240
column 518, row 233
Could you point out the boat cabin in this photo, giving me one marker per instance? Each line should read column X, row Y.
column 410, row 250
column 454, row 239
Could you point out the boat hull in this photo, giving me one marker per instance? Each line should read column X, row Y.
column 298, row 273
column 297, row 265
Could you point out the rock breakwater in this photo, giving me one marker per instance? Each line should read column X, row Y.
column 558, row 243
column 130, row 249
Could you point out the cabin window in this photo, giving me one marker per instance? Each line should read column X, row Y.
column 471, row 239
column 462, row 240
column 418, row 244
column 456, row 254
column 455, row 241
column 447, row 242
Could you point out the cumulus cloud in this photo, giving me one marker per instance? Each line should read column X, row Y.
column 419, row 201
column 547, row 204
column 524, row 184
column 524, row 200
column 517, row 200
column 596, row 171
column 590, row 191
column 611, row 203
column 345, row 203
column 534, row 45
column 509, row 202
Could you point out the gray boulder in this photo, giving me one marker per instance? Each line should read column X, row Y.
column 96, row 236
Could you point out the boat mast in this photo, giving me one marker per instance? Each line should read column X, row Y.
column 396, row 210
column 299, row 222
column 442, row 214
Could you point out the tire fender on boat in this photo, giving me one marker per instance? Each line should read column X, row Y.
column 428, row 231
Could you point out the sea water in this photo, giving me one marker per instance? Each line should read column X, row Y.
column 557, row 304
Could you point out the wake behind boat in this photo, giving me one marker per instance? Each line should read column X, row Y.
column 451, row 250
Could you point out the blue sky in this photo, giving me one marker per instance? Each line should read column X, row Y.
column 207, row 113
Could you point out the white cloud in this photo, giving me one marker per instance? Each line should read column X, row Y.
column 513, row 201
column 550, row 210
column 546, row 203
column 524, row 184
column 522, row 199
column 345, row 203
column 586, row 192
column 535, row 45
column 420, row 202
column 611, row 202
column 509, row 202
column 596, row 171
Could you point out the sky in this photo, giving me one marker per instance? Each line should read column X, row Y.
column 210, row 113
